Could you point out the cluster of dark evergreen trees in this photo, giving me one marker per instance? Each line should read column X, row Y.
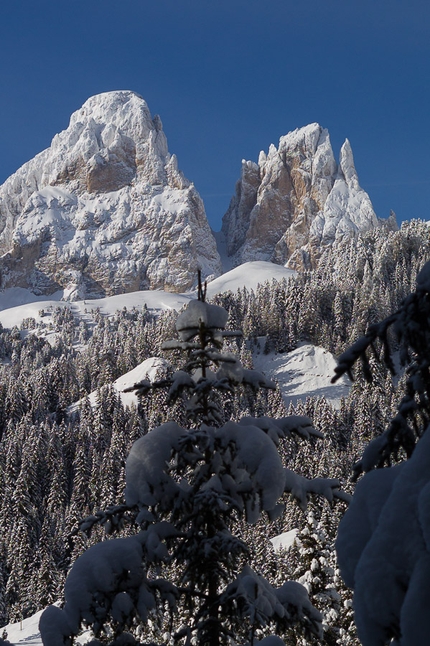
column 58, row 465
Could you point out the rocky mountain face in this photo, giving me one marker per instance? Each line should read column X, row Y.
column 104, row 210
column 296, row 200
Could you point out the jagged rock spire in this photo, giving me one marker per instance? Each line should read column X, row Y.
column 296, row 200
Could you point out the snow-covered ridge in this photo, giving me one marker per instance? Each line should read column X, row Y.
column 18, row 303
column 105, row 209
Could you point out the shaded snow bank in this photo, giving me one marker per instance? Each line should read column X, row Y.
column 383, row 550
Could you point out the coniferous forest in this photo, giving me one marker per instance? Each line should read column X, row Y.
column 62, row 456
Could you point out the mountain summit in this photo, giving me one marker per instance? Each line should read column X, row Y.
column 296, row 200
column 105, row 209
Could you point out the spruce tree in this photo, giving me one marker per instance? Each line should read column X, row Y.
column 186, row 490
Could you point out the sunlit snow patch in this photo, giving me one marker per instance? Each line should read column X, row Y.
column 26, row 631
column 152, row 369
column 249, row 275
column 16, row 303
column 284, row 541
column 303, row 372
column 153, row 299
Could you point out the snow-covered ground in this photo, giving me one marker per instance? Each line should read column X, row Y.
column 17, row 303
column 249, row 275
column 304, row 372
column 24, row 632
column 12, row 313
column 285, row 540
column 152, row 368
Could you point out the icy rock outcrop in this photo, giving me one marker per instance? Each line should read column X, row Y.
column 296, row 200
column 105, row 209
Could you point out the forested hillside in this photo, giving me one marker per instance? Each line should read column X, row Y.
column 58, row 465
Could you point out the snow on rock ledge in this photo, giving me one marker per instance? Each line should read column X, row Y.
column 105, row 209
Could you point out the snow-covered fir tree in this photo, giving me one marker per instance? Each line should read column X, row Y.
column 315, row 566
column 186, row 489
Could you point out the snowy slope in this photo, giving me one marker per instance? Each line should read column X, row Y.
column 304, row 372
column 249, row 275
column 25, row 632
column 17, row 304
column 285, row 540
column 151, row 369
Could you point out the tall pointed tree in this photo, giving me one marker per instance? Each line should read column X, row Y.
column 186, row 488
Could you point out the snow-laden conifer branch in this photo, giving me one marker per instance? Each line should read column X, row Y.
column 254, row 599
column 384, row 538
column 410, row 327
column 301, row 487
column 113, row 519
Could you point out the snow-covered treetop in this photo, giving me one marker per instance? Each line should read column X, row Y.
column 253, row 464
column 198, row 313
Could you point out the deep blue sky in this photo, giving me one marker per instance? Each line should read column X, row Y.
column 229, row 77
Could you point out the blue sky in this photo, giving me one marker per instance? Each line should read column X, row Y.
column 228, row 78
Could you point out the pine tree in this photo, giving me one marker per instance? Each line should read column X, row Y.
column 316, row 568
column 186, row 489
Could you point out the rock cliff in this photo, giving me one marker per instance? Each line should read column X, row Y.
column 105, row 209
column 296, row 200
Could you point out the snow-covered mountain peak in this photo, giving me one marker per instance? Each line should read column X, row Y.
column 303, row 139
column 112, row 139
column 296, row 200
column 105, row 209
